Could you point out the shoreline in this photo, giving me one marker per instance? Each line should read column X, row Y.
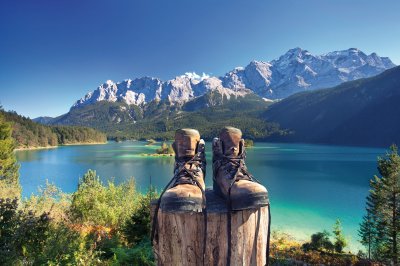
column 82, row 144
column 156, row 155
column 35, row 148
column 55, row 147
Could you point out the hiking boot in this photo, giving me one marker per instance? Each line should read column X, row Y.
column 231, row 179
column 185, row 192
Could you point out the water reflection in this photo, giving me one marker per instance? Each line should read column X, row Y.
column 27, row 156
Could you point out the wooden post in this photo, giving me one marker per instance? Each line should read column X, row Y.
column 179, row 238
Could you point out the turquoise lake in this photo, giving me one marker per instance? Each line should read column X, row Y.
column 310, row 186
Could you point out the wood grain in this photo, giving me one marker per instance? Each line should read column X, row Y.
column 179, row 238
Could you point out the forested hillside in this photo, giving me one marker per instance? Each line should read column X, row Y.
column 159, row 119
column 362, row 112
column 29, row 134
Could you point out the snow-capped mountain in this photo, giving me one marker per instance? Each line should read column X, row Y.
column 299, row 70
column 143, row 90
column 295, row 71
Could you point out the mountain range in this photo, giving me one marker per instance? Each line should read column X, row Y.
column 287, row 99
column 360, row 112
column 159, row 119
column 295, row 71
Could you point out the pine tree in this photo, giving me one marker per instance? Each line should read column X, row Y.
column 9, row 176
column 389, row 206
column 340, row 241
column 380, row 229
column 367, row 232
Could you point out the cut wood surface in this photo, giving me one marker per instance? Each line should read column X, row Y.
column 179, row 237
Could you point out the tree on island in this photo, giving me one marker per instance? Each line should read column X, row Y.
column 248, row 143
column 380, row 229
column 165, row 149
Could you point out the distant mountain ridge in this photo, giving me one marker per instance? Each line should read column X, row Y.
column 160, row 119
column 295, row 71
column 363, row 112
column 144, row 90
column 150, row 108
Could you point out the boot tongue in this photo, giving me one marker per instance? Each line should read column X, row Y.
column 230, row 138
column 186, row 142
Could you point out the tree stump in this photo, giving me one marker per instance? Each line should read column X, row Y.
column 179, row 237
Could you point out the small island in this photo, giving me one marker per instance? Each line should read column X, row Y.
column 248, row 143
column 150, row 142
column 165, row 150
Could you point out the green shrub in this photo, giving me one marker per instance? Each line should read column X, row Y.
column 22, row 234
column 248, row 143
column 97, row 225
column 141, row 254
column 52, row 200
column 9, row 175
column 138, row 226
column 319, row 241
column 340, row 240
column 105, row 205
column 165, row 149
column 65, row 246
column 106, row 243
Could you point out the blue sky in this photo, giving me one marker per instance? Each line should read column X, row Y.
column 53, row 52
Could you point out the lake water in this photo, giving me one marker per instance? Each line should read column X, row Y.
column 310, row 186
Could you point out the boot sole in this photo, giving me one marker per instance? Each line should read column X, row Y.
column 251, row 201
column 181, row 205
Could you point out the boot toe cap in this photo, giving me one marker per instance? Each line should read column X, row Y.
column 248, row 195
column 182, row 198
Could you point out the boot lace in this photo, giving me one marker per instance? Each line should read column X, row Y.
column 188, row 171
column 185, row 173
column 235, row 169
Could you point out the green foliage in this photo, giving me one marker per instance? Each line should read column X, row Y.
column 141, row 254
column 160, row 119
column 151, row 142
column 9, row 175
column 139, row 225
column 28, row 134
column 248, row 143
column 165, row 149
column 340, row 240
column 74, row 134
column 170, row 149
column 97, row 225
column 355, row 113
column 23, row 234
column 106, row 243
column 367, row 232
column 52, row 200
column 319, row 241
column 64, row 246
column 106, row 205
column 380, row 229
column 285, row 250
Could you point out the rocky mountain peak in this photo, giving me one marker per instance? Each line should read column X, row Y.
column 296, row 70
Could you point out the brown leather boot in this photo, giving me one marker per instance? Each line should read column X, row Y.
column 232, row 181
column 185, row 192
